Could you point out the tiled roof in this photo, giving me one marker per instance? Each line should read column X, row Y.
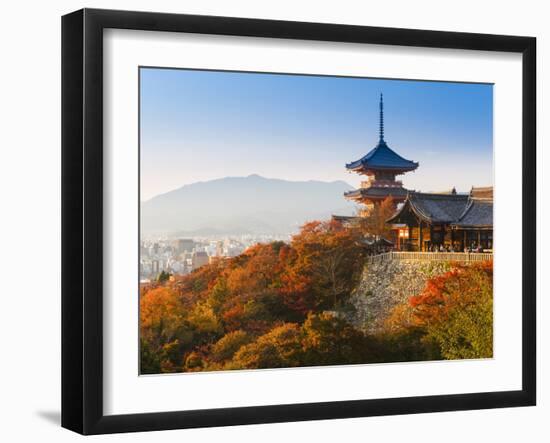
column 460, row 210
column 479, row 212
column 439, row 208
column 382, row 157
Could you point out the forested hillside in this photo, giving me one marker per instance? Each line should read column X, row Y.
column 285, row 305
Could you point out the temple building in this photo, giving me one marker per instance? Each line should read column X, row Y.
column 456, row 222
column 380, row 167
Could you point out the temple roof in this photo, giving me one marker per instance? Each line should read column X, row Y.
column 478, row 213
column 382, row 157
column 435, row 208
column 459, row 210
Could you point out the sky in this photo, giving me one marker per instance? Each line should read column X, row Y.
column 202, row 125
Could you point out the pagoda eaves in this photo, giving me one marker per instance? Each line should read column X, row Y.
column 382, row 158
column 381, row 165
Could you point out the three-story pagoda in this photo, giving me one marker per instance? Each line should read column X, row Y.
column 380, row 166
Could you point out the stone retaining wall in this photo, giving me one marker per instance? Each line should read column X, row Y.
column 385, row 284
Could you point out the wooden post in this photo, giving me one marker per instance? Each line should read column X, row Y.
column 452, row 238
column 410, row 235
column 431, row 234
column 419, row 235
column 478, row 239
column 465, row 241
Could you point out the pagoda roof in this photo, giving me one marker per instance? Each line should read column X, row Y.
column 345, row 218
column 382, row 157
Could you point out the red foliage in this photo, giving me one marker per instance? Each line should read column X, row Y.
column 233, row 317
column 265, row 287
column 447, row 291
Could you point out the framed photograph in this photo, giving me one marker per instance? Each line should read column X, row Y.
column 268, row 221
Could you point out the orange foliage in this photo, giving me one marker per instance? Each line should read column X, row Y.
column 375, row 222
column 159, row 308
column 260, row 291
column 327, row 264
column 454, row 312
column 454, row 289
column 233, row 316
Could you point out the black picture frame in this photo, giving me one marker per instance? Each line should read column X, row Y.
column 82, row 218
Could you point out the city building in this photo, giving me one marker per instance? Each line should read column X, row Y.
column 155, row 267
column 380, row 166
column 184, row 245
column 200, row 258
column 219, row 249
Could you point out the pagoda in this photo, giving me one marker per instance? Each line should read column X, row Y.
column 380, row 166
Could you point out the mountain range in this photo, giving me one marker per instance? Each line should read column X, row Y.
column 243, row 205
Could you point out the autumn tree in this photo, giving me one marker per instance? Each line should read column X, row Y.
column 279, row 348
column 253, row 282
column 204, row 322
column 162, row 329
column 329, row 260
column 150, row 359
column 454, row 312
column 161, row 315
column 323, row 339
column 197, row 285
column 375, row 222
column 168, row 329
column 284, row 304
column 329, row 340
column 228, row 345
column 193, row 362
column 219, row 295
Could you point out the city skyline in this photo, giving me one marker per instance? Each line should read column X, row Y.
column 205, row 125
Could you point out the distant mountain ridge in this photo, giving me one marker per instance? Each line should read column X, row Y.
column 243, row 205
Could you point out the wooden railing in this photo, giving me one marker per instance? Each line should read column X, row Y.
column 431, row 256
column 381, row 183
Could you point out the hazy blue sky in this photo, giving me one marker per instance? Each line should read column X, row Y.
column 199, row 125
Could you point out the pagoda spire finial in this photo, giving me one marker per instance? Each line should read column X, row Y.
column 381, row 117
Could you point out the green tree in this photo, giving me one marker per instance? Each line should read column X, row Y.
column 228, row 345
column 454, row 313
column 163, row 277
column 193, row 362
column 149, row 359
column 328, row 340
column 205, row 322
column 219, row 295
